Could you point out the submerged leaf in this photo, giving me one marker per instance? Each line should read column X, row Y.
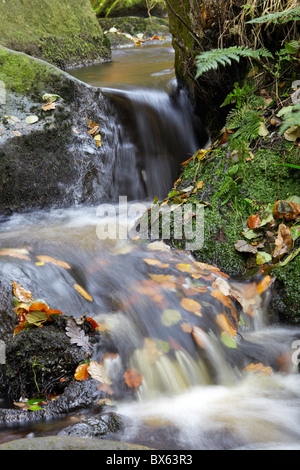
column 228, row 341
column 191, row 305
column 170, row 317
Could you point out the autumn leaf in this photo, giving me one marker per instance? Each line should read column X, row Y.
column 20, row 253
column 77, row 335
column 83, row 292
column 228, row 341
column 106, row 389
column 81, row 372
column 133, row 378
column 225, row 324
column 97, row 372
column 283, row 242
column 56, row 262
column 49, row 106
column 36, row 318
column 288, row 210
column 259, row 368
column 191, row 305
column 185, row 268
column 38, row 306
column 224, row 299
column 186, row 327
column 170, row 317
column 254, row 221
column 94, row 324
column 22, row 294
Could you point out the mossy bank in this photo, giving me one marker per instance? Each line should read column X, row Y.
column 64, row 33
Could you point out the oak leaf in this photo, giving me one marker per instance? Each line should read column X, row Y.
column 77, row 335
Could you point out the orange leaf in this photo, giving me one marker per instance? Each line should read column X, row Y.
column 83, row 292
column 20, row 253
column 259, row 368
column 254, row 221
column 49, row 259
column 199, row 336
column 19, row 328
column 264, row 284
column 186, row 327
column 133, row 378
column 225, row 324
column 93, row 323
column 22, row 294
column 38, row 306
column 217, row 294
column 191, row 305
column 81, row 372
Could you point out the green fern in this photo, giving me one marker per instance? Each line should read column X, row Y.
column 210, row 60
column 279, row 17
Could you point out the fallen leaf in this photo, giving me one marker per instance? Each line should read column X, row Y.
column 97, row 372
column 199, row 337
column 283, row 242
column 81, row 372
column 36, row 318
column 288, row 210
column 106, row 389
column 191, row 305
column 224, row 299
column 39, row 306
column 77, row 335
column 262, row 258
column 21, row 253
column 186, row 327
column 133, row 378
column 48, row 259
column 83, row 292
column 185, row 268
column 22, row 294
column 17, row 133
column 228, row 341
column 244, row 247
column 225, row 324
column 158, row 246
column 259, row 368
column 31, row 119
column 254, row 221
column 49, row 106
column 263, row 131
column 170, row 317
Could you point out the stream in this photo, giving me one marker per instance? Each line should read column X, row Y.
column 194, row 394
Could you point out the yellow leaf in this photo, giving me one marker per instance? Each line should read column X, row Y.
column 49, row 259
column 83, row 292
column 191, row 305
column 81, row 372
column 186, row 268
column 259, row 368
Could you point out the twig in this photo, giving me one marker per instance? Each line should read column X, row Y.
column 183, row 22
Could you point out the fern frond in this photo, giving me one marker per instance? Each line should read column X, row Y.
column 210, row 60
column 279, row 17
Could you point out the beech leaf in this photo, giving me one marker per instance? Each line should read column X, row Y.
column 97, row 372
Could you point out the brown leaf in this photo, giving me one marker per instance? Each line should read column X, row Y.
column 254, row 221
column 283, row 242
column 97, row 371
column 133, row 378
column 199, row 336
column 22, row 294
column 225, row 324
column 49, row 106
column 288, row 210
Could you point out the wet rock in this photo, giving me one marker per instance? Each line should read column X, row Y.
column 52, row 162
column 102, row 425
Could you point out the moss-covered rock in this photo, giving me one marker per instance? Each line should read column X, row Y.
column 63, row 33
column 52, row 161
column 117, row 8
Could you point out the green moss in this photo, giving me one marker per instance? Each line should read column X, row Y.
column 112, row 8
column 63, row 33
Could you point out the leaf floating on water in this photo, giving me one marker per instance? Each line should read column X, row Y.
column 225, row 324
column 170, row 317
column 21, row 253
column 228, row 341
column 22, row 294
column 97, row 372
column 199, row 337
column 77, row 335
column 158, row 246
column 191, row 305
column 133, row 378
column 81, row 372
column 185, row 268
column 259, row 368
column 83, row 292
column 48, row 259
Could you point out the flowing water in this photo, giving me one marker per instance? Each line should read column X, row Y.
column 198, row 391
